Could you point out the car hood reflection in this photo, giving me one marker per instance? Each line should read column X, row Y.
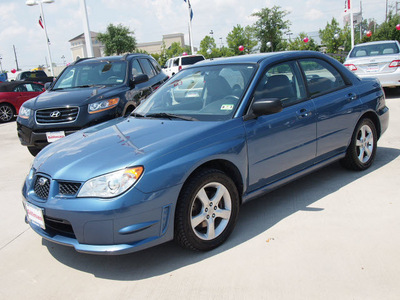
column 92, row 152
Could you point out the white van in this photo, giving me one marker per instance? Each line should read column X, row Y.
column 175, row 64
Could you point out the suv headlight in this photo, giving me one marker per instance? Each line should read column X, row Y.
column 111, row 184
column 102, row 105
column 24, row 112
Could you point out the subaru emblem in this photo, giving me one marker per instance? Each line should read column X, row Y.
column 42, row 181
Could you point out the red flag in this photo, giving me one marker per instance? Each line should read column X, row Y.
column 41, row 22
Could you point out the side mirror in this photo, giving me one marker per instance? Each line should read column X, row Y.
column 262, row 107
column 139, row 79
column 47, row 85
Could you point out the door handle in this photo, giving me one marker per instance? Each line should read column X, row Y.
column 351, row 97
column 303, row 113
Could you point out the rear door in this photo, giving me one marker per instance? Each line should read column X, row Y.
column 283, row 143
column 334, row 103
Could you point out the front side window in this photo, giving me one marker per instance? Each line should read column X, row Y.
column 203, row 93
column 282, row 81
column 92, row 74
column 321, row 77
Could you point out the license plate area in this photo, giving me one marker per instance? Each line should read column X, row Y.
column 35, row 215
column 372, row 68
column 54, row 136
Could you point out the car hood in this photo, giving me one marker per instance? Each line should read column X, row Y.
column 73, row 97
column 121, row 143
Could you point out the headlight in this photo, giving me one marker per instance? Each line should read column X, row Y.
column 112, row 184
column 24, row 112
column 102, row 105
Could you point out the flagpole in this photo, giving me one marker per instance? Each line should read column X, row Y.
column 190, row 26
column 47, row 38
column 351, row 24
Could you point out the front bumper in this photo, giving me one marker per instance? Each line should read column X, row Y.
column 28, row 137
column 128, row 223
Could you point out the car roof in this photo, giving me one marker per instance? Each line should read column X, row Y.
column 259, row 57
column 376, row 42
column 9, row 86
column 111, row 58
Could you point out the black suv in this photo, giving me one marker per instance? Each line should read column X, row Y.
column 87, row 92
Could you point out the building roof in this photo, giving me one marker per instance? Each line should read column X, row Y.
column 82, row 36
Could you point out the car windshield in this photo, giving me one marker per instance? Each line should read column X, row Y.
column 208, row 93
column 374, row 50
column 92, row 74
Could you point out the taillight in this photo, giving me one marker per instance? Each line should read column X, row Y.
column 180, row 68
column 394, row 64
column 351, row 67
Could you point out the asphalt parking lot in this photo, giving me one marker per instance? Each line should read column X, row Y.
column 334, row 234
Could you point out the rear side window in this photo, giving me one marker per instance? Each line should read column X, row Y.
column 374, row 50
column 136, row 68
column 190, row 60
column 321, row 76
column 147, row 67
column 155, row 65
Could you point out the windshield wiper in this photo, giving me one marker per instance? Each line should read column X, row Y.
column 136, row 115
column 170, row 116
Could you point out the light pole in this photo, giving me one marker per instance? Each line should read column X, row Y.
column 36, row 2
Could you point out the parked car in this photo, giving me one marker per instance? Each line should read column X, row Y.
column 175, row 64
column 14, row 94
column 36, row 76
column 379, row 59
column 88, row 92
column 182, row 165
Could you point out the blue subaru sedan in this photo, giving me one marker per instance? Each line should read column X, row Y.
column 213, row 137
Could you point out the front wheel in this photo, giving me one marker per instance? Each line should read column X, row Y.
column 362, row 150
column 6, row 112
column 207, row 210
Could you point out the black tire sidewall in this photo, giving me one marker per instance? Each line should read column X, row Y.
column 12, row 111
column 184, row 233
column 352, row 151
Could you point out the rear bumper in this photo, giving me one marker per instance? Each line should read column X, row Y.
column 386, row 80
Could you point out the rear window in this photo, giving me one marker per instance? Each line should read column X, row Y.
column 190, row 60
column 374, row 50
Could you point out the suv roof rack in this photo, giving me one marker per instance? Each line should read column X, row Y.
column 80, row 59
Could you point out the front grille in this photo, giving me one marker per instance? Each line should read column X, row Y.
column 58, row 226
column 57, row 115
column 69, row 188
column 42, row 187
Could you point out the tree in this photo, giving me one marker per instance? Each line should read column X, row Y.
column 387, row 30
column 240, row 36
column 175, row 50
column 270, row 27
column 332, row 36
column 117, row 40
column 207, row 43
column 299, row 44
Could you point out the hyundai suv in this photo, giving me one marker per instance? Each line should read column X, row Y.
column 88, row 92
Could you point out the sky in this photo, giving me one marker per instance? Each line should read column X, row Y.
column 150, row 20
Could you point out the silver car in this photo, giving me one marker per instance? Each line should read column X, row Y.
column 379, row 59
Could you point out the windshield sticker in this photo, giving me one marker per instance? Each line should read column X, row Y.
column 227, row 107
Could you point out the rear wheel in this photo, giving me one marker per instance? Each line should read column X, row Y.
column 207, row 210
column 6, row 112
column 362, row 150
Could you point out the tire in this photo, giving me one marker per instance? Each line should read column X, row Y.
column 34, row 150
column 7, row 112
column 362, row 149
column 207, row 210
